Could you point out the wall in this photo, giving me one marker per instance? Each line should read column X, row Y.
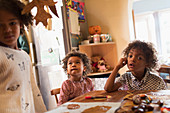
column 84, row 25
column 112, row 16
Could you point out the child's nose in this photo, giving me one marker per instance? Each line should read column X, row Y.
column 133, row 59
column 7, row 28
column 73, row 64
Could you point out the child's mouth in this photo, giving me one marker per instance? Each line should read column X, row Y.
column 131, row 65
column 8, row 37
column 73, row 69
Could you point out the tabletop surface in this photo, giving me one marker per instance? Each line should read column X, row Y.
column 117, row 96
column 114, row 102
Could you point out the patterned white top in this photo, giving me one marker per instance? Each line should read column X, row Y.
column 150, row 81
column 18, row 90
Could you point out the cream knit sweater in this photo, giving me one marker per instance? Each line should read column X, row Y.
column 18, row 90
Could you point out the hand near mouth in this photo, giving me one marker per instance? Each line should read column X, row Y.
column 122, row 62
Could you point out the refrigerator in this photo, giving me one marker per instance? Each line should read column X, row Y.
column 49, row 47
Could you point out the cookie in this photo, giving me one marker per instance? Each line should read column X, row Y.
column 73, row 106
column 97, row 109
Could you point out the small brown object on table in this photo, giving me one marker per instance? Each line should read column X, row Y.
column 73, row 106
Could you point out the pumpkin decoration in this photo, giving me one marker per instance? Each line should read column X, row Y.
column 94, row 30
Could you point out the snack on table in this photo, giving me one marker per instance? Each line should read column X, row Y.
column 128, row 96
column 73, row 106
column 125, row 107
column 140, row 103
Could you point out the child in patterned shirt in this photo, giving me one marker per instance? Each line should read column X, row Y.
column 77, row 66
column 141, row 60
column 18, row 90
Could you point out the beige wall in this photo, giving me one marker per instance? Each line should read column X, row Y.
column 112, row 16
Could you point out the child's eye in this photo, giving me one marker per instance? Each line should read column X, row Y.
column 130, row 56
column 1, row 25
column 139, row 58
column 78, row 62
column 12, row 23
column 69, row 63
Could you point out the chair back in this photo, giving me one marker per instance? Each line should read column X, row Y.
column 55, row 92
column 165, row 70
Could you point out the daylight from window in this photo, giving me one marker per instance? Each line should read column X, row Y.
column 155, row 27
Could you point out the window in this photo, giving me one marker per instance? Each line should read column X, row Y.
column 155, row 27
column 165, row 31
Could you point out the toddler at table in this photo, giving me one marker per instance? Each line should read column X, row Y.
column 18, row 90
column 141, row 60
column 77, row 66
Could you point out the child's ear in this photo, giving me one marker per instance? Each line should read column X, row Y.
column 147, row 65
column 21, row 26
column 67, row 72
column 84, row 68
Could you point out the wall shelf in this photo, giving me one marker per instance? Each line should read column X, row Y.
column 107, row 50
column 102, row 73
column 98, row 44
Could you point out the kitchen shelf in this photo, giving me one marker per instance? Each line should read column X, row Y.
column 107, row 50
column 102, row 73
column 98, row 44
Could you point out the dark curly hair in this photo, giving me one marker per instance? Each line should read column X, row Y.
column 149, row 51
column 15, row 7
column 84, row 58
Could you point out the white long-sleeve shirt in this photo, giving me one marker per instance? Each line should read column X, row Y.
column 18, row 90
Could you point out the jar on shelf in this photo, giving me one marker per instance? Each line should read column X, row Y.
column 96, row 38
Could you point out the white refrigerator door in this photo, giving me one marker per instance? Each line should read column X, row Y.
column 49, row 51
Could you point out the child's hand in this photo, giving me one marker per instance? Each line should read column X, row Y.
column 122, row 62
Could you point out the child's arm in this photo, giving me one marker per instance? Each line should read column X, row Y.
column 110, row 84
column 64, row 92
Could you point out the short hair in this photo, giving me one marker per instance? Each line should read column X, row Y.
column 15, row 7
column 149, row 51
column 84, row 58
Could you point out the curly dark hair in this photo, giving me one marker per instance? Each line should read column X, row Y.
column 149, row 51
column 15, row 7
column 84, row 58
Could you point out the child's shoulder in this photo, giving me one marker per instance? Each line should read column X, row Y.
column 87, row 79
column 126, row 74
column 154, row 75
column 67, row 81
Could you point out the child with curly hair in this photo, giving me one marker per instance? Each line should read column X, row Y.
column 141, row 60
column 18, row 90
column 77, row 66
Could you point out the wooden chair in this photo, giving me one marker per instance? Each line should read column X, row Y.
column 55, row 92
column 165, row 69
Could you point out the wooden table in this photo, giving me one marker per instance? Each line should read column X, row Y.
column 117, row 96
column 114, row 101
